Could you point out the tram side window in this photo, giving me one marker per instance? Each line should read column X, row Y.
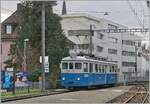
column 70, row 65
column 103, row 68
column 64, row 65
column 91, row 67
column 78, row 66
column 113, row 68
column 110, row 68
column 85, row 67
column 96, row 67
column 99, row 68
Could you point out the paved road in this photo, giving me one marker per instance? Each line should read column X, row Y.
column 83, row 96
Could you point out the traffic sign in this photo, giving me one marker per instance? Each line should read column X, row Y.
column 46, row 67
column 46, row 59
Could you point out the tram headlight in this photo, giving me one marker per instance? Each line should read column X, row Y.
column 78, row 79
column 63, row 78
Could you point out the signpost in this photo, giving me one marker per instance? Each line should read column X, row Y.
column 46, row 64
column 46, row 67
column 46, row 59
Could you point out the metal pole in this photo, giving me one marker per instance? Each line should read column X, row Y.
column 43, row 46
column 136, row 55
column 24, row 55
column 14, row 75
column 25, row 62
column 90, row 45
column 148, row 4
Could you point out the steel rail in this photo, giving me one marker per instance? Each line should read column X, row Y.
column 128, row 100
column 145, row 98
column 131, row 97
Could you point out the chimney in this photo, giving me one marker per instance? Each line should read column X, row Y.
column 64, row 11
column 19, row 6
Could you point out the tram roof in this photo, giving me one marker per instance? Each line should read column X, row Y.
column 82, row 58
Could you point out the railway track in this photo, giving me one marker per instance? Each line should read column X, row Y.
column 137, row 94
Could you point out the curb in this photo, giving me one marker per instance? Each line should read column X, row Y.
column 31, row 96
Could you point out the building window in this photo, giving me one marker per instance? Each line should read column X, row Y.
column 128, row 64
column 127, row 53
column 112, row 51
column 128, row 42
column 113, row 40
column 100, row 35
column 139, row 44
column 139, row 54
column 99, row 48
column 8, row 29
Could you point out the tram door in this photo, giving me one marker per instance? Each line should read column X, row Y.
column 92, row 75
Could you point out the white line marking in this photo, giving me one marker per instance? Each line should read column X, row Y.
column 68, row 99
column 103, row 90
column 116, row 90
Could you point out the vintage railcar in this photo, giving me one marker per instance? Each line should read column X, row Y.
column 82, row 71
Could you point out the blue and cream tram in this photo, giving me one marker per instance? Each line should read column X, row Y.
column 81, row 71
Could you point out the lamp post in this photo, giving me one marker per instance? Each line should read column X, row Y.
column 43, row 46
column 25, row 61
column 136, row 55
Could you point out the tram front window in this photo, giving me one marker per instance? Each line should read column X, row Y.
column 64, row 65
column 70, row 65
column 91, row 67
column 78, row 66
column 85, row 67
column 96, row 67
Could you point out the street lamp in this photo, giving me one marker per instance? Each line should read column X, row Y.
column 25, row 62
column 25, row 46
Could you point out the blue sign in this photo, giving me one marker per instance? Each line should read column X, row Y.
column 8, row 81
column 25, row 74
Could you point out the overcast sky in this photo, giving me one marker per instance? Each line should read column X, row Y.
column 119, row 11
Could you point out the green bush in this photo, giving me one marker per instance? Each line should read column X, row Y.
column 34, row 75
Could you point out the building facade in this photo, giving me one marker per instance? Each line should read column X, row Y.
column 120, row 47
column 8, row 36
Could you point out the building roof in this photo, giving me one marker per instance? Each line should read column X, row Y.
column 81, row 15
column 11, row 19
column 88, row 16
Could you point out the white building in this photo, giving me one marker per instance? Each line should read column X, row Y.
column 145, row 63
column 118, row 47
